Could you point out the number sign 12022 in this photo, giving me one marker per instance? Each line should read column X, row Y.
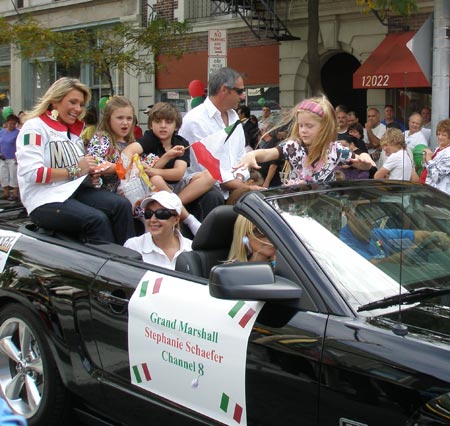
column 375, row 80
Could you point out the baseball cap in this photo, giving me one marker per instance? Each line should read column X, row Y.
column 169, row 200
column 147, row 110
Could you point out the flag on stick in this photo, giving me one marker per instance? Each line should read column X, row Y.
column 210, row 151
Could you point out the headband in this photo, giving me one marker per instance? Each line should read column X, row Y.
column 311, row 106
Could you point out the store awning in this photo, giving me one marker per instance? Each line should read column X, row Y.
column 390, row 66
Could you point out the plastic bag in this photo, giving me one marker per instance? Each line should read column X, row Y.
column 134, row 183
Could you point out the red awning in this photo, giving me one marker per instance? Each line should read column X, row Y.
column 390, row 66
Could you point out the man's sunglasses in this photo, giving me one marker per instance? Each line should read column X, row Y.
column 160, row 214
column 238, row 90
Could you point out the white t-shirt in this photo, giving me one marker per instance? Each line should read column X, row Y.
column 399, row 165
column 415, row 139
column 151, row 253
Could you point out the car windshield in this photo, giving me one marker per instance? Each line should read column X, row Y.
column 374, row 241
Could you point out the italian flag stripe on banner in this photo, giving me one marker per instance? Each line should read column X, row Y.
column 139, row 370
column 155, row 289
column 32, row 139
column 228, row 408
column 244, row 314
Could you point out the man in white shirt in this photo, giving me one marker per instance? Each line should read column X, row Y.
column 225, row 91
column 373, row 131
column 414, row 135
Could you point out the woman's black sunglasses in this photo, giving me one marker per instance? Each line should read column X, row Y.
column 161, row 214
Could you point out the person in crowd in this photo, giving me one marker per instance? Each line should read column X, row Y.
column 56, row 177
column 21, row 115
column 137, row 130
column 311, row 149
column 8, row 163
column 437, row 164
column 389, row 119
column 163, row 242
column 114, row 132
column 148, row 109
column 251, row 129
column 201, row 192
column 166, row 154
column 270, row 170
column 352, row 117
column 399, row 164
column 373, row 131
column 249, row 244
column 265, row 118
column 350, row 172
column 357, row 131
column 425, row 113
column 90, row 125
column 414, row 135
column 342, row 121
column 381, row 244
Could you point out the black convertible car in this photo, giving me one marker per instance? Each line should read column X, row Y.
column 351, row 326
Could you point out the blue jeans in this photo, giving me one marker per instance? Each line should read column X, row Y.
column 96, row 214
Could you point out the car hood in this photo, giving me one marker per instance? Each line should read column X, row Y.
column 425, row 321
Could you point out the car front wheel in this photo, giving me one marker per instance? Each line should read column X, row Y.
column 29, row 379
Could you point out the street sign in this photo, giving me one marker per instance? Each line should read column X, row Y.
column 215, row 63
column 217, row 43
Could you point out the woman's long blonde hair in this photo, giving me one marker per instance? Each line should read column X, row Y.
column 242, row 229
column 55, row 93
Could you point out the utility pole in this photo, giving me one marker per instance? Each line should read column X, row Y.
column 441, row 64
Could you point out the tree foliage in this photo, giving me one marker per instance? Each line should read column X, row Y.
column 383, row 8
column 120, row 47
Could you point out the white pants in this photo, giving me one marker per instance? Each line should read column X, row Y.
column 8, row 173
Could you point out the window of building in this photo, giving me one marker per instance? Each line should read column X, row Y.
column 5, row 75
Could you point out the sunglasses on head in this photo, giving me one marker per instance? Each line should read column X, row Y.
column 238, row 90
column 160, row 214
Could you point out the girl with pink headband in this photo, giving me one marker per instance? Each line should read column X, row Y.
column 311, row 149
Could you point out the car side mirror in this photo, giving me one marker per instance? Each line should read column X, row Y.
column 250, row 281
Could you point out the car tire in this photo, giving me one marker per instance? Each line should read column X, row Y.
column 29, row 379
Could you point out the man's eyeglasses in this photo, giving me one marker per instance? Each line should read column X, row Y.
column 160, row 214
column 238, row 90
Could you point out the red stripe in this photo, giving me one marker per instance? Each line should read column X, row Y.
column 146, row 372
column 237, row 413
column 39, row 175
column 38, row 139
column 49, row 173
column 246, row 318
column 157, row 285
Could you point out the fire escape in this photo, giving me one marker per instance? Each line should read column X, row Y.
column 259, row 15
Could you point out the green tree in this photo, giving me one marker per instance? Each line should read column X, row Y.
column 120, row 47
column 380, row 8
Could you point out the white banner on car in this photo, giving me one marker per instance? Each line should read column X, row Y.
column 189, row 347
column 7, row 241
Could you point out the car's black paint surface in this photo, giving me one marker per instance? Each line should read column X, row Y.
column 313, row 361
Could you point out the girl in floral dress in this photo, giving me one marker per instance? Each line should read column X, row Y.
column 114, row 132
column 311, row 148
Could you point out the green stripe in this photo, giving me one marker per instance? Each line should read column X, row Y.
column 224, row 402
column 136, row 374
column 235, row 309
column 26, row 139
column 143, row 289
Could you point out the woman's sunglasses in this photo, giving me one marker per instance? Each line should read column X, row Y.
column 160, row 214
column 258, row 234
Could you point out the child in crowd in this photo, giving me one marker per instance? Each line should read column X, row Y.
column 90, row 125
column 168, row 153
column 311, row 148
column 399, row 164
column 114, row 132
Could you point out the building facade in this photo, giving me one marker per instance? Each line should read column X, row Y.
column 273, row 57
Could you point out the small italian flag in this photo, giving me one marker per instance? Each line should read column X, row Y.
column 154, row 288
column 242, row 312
column 209, row 150
column 231, row 408
column 32, row 139
column 141, row 372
